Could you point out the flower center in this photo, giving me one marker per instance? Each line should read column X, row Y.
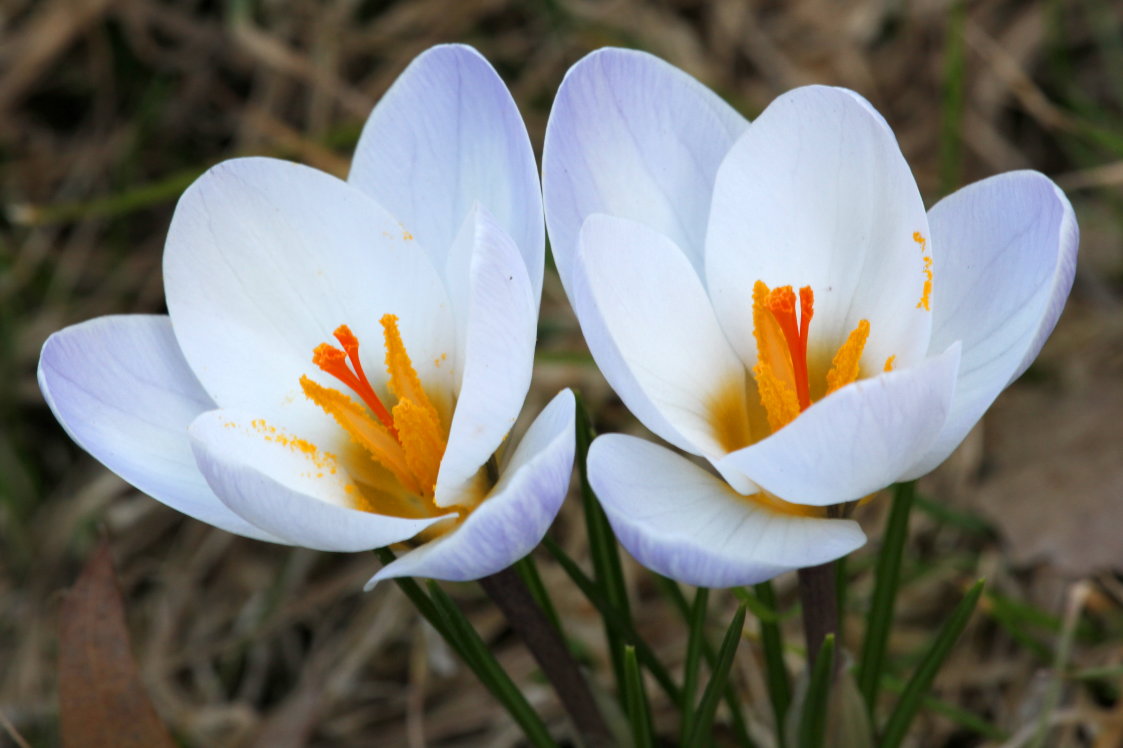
column 782, row 374
column 408, row 440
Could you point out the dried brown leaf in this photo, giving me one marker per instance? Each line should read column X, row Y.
column 102, row 701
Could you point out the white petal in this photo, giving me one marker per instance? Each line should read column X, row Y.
column 266, row 258
column 857, row 440
column 632, row 136
column 650, row 327
column 515, row 517
column 121, row 389
column 680, row 521
column 816, row 193
column 446, row 136
column 1005, row 258
column 498, row 356
column 287, row 487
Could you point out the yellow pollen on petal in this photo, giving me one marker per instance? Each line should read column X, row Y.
column 889, row 363
column 925, row 302
column 846, row 363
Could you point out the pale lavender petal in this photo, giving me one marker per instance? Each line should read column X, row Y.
column 122, row 390
column 685, row 523
column 447, row 135
column 512, row 520
column 632, row 136
column 289, row 488
column 857, row 440
column 1005, row 257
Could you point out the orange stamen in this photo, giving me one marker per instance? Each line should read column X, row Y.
column 409, row 441
column 333, row 361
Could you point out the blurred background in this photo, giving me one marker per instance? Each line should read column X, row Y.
column 109, row 109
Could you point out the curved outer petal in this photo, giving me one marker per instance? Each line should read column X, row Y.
column 446, row 135
column 632, row 136
column 122, row 390
column 650, row 327
column 817, row 193
column 266, row 258
column 498, row 356
column 512, row 520
column 683, row 522
column 857, row 440
column 1006, row 253
column 287, row 489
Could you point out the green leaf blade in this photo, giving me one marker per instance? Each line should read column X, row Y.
column 896, row 727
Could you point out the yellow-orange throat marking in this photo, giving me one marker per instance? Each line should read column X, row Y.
column 408, row 440
column 782, row 374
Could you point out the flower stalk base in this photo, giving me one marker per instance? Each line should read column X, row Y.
column 545, row 642
column 818, row 594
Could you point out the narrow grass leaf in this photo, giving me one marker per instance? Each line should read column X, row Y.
column 762, row 609
column 444, row 616
column 694, row 642
column 880, row 617
column 947, row 515
column 896, row 727
column 490, row 672
column 740, row 728
column 635, row 698
column 707, row 707
column 958, row 715
column 528, row 572
column 607, row 572
column 620, row 625
column 423, row 604
column 772, row 644
column 813, row 722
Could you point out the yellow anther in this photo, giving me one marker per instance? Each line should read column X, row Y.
column 771, row 345
column 365, row 430
column 845, row 364
column 780, row 401
column 420, row 434
column 404, row 382
column 889, row 363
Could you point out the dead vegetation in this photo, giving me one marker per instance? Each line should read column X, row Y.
column 108, row 109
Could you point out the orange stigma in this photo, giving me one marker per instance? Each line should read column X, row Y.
column 781, row 302
column 334, row 362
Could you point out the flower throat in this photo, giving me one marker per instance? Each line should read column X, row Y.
column 408, row 440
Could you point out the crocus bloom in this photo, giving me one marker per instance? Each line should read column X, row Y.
column 343, row 361
column 773, row 298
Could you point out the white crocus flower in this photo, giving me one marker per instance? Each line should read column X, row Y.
column 773, row 298
column 343, row 361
